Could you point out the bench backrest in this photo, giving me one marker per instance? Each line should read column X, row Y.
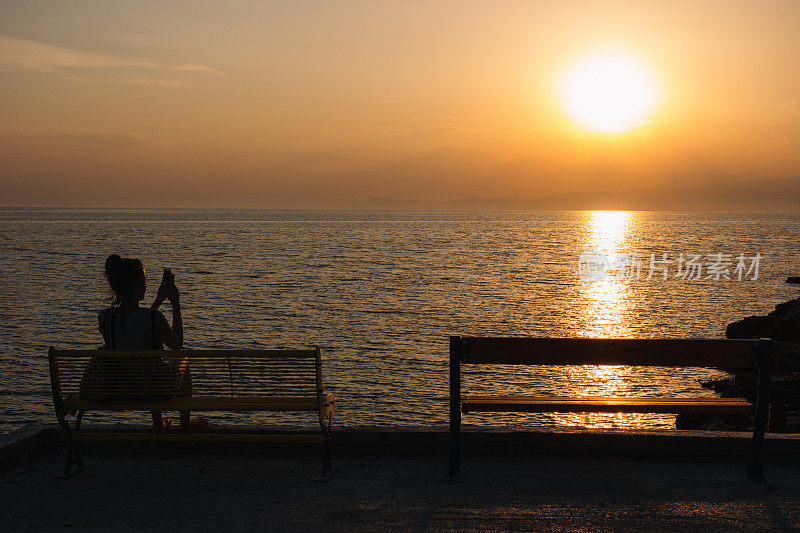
column 723, row 353
column 154, row 374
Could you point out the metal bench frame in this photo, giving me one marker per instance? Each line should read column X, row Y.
column 72, row 404
column 718, row 353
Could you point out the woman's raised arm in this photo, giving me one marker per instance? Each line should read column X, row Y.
column 172, row 337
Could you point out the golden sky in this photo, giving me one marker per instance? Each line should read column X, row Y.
column 307, row 104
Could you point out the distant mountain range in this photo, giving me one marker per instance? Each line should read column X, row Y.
column 773, row 195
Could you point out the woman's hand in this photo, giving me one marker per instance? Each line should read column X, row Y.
column 161, row 295
column 173, row 294
column 173, row 337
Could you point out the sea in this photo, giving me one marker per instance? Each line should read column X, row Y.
column 380, row 292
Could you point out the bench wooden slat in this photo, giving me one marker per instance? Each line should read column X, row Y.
column 211, row 354
column 555, row 404
column 223, row 374
column 591, row 398
column 195, row 403
column 197, row 437
column 727, row 353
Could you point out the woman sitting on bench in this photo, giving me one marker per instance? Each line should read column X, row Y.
column 126, row 326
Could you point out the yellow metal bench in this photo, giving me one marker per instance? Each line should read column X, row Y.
column 156, row 380
column 718, row 353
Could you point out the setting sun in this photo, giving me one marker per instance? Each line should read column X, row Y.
column 608, row 93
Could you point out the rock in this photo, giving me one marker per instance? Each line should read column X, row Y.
column 781, row 324
column 786, row 389
column 713, row 423
column 718, row 385
column 687, row 421
column 793, row 422
column 716, row 424
column 748, row 328
column 785, row 357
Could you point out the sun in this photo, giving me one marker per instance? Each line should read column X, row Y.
column 608, row 93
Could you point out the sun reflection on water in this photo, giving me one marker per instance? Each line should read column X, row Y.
column 604, row 304
column 604, row 311
column 607, row 230
column 602, row 308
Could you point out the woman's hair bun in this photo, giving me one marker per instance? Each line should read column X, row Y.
column 122, row 274
column 111, row 262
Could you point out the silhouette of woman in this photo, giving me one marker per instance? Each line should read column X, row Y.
column 126, row 326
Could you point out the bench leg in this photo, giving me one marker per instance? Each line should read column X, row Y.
column 455, row 449
column 327, row 467
column 73, row 449
column 326, row 423
column 455, row 407
column 76, row 447
column 754, row 469
column 62, row 421
column 70, row 460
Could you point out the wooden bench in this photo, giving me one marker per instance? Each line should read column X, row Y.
column 718, row 353
column 221, row 380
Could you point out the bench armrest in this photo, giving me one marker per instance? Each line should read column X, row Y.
column 328, row 405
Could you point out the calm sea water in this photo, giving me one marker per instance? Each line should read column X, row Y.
column 380, row 292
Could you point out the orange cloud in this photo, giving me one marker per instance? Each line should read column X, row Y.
column 18, row 54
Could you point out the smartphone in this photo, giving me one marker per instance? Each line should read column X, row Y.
column 168, row 278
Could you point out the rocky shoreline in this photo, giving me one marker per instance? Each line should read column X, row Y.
column 783, row 326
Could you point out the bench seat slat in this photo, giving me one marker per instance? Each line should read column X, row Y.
column 206, row 354
column 557, row 404
column 690, row 399
column 199, row 403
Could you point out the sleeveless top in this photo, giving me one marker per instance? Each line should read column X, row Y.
column 126, row 379
column 136, row 331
